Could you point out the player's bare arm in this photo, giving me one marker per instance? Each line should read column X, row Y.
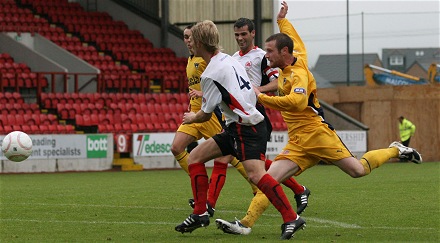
column 199, row 117
column 270, row 87
column 256, row 90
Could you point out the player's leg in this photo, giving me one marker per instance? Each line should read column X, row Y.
column 217, row 181
column 178, row 148
column 239, row 166
column 258, row 205
column 282, row 170
column 251, row 151
column 199, row 183
column 191, row 146
column 274, row 192
column 301, row 192
column 406, row 144
column 375, row 158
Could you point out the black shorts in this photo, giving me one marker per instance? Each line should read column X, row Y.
column 243, row 142
column 262, row 110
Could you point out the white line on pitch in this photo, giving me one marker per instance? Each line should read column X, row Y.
column 169, row 223
column 327, row 223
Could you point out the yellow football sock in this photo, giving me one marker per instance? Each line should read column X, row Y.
column 182, row 159
column 239, row 166
column 258, row 205
column 375, row 158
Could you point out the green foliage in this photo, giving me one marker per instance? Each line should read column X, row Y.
column 397, row 202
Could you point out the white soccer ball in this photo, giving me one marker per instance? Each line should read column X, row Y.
column 17, row 146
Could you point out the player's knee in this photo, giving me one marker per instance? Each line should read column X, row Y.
column 254, row 177
column 224, row 159
column 176, row 150
column 356, row 173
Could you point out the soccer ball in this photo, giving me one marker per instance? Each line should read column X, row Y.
column 17, row 146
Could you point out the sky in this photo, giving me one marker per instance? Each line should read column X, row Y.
column 322, row 25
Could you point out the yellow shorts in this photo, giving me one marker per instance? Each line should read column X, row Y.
column 312, row 144
column 206, row 129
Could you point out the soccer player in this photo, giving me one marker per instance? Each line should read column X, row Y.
column 225, row 84
column 260, row 74
column 312, row 139
column 188, row 133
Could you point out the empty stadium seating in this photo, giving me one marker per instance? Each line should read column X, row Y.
column 16, row 114
column 128, row 62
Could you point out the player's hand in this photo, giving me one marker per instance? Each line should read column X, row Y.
column 256, row 90
column 283, row 11
column 188, row 117
column 195, row 93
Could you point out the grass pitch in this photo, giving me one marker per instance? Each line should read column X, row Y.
column 395, row 203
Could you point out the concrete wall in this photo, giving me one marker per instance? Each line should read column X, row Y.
column 379, row 107
column 55, row 165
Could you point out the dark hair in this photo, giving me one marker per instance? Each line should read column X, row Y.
column 189, row 26
column 282, row 40
column 241, row 22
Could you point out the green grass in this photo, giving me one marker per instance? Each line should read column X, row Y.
column 397, row 202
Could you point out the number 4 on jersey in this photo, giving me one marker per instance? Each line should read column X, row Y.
column 241, row 81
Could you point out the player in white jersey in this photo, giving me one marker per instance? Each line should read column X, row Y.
column 226, row 84
column 235, row 98
column 260, row 73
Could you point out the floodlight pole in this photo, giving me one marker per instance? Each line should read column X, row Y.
column 363, row 57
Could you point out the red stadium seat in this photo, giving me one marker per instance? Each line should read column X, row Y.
column 142, row 127
column 26, row 128
column 43, row 129
column 8, row 129
column 79, row 121
column 63, row 111
column 70, row 129
column 11, row 119
column 52, row 128
column 102, row 128
column 118, row 128
column 127, row 127
column 110, row 128
column 94, row 119
column 16, row 127
column 19, row 119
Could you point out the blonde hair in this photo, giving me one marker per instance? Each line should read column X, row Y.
column 206, row 33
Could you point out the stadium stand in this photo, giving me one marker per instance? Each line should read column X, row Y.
column 131, row 67
column 120, row 53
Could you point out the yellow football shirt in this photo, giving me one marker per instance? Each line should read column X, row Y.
column 194, row 70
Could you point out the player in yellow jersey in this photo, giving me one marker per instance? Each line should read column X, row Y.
column 311, row 138
column 188, row 133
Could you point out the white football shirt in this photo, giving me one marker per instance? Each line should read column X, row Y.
column 257, row 66
column 226, row 84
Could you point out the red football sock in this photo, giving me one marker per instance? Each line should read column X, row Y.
column 199, row 184
column 273, row 191
column 294, row 186
column 217, row 181
column 290, row 183
column 267, row 164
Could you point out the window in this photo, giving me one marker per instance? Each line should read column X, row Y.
column 396, row 60
column 420, row 53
